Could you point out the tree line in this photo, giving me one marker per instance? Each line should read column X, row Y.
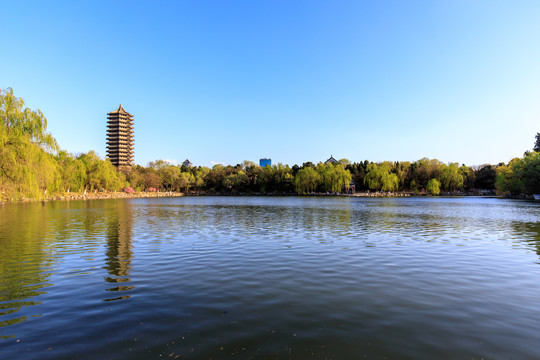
column 422, row 176
column 32, row 165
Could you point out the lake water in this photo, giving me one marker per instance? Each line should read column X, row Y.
column 271, row 278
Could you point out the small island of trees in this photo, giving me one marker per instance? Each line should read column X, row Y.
column 32, row 166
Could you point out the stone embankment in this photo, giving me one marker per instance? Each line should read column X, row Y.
column 99, row 195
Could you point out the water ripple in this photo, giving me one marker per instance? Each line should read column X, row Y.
column 268, row 277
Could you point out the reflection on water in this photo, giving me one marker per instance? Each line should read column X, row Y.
column 119, row 253
column 529, row 233
column 264, row 277
column 24, row 263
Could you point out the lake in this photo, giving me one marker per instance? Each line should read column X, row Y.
column 271, row 278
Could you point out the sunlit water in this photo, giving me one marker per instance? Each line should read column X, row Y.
column 271, row 278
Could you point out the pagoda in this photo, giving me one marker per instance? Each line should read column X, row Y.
column 120, row 142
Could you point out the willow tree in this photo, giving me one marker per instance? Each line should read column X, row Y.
column 73, row 172
column 99, row 174
column 380, row 177
column 334, row 177
column 433, row 187
column 307, row 180
column 451, row 178
column 27, row 166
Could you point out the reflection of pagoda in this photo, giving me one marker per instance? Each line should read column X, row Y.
column 119, row 253
column 120, row 143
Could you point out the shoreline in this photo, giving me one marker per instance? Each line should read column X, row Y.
column 144, row 194
column 94, row 196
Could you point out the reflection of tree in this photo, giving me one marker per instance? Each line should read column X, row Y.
column 119, row 253
column 24, row 260
column 532, row 232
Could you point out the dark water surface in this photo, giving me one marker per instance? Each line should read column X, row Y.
column 271, row 278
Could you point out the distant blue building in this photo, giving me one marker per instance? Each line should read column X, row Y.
column 264, row 162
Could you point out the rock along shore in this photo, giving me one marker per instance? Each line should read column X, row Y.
column 96, row 196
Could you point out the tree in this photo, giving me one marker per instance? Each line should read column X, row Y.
column 184, row 181
column 200, row 175
column 265, row 181
column 283, row 178
column 151, row 179
column 99, row 173
column 536, row 147
column 17, row 123
column 508, row 179
column 380, row 177
column 358, row 172
column 27, row 165
column 485, row 177
column 469, row 177
column 451, row 178
column 425, row 169
column 334, row 177
column 402, row 170
column 169, row 175
column 528, row 170
column 433, row 187
column 372, row 179
column 72, row 171
column 307, row 180
column 235, row 182
column 136, row 177
column 90, row 161
column 110, row 178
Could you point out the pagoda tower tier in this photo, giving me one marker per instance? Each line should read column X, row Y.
column 120, row 138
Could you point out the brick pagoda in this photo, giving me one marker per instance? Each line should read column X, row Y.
column 120, row 139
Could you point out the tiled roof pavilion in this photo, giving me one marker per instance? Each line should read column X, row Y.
column 331, row 160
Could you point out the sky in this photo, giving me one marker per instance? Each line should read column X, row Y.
column 295, row 81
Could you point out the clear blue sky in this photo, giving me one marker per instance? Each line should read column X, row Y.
column 227, row 81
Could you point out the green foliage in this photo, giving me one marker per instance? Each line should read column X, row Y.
column 73, row 172
column 536, row 147
column 520, row 175
column 170, row 176
column 469, row 177
column 425, row 169
column 307, row 180
column 451, row 178
column 27, row 166
column 334, row 177
column 508, row 179
column 433, row 187
column 17, row 122
column 100, row 174
column 414, row 187
column 379, row 177
column 529, row 171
